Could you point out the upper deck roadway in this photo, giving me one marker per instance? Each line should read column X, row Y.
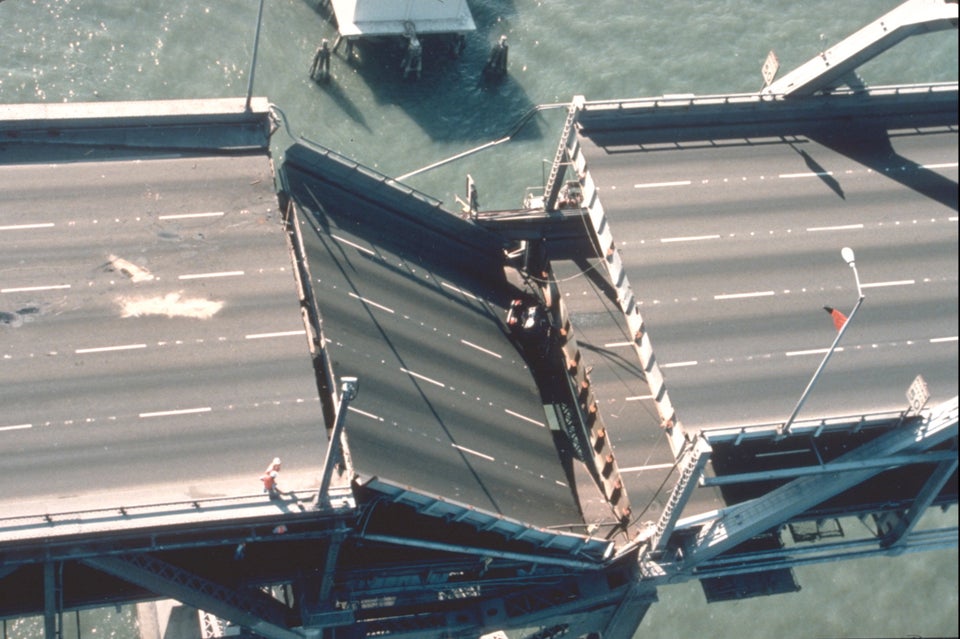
column 152, row 344
column 732, row 245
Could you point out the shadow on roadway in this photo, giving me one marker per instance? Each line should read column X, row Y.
column 818, row 169
column 873, row 147
column 333, row 209
column 347, row 205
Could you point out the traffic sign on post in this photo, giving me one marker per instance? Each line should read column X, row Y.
column 770, row 67
column 918, row 394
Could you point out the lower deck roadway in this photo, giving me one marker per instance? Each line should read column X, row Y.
column 446, row 403
column 151, row 342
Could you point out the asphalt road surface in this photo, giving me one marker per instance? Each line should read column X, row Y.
column 446, row 403
column 733, row 248
column 151, row 334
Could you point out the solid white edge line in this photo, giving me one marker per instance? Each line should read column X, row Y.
column 459, row 290
column 26, row 227
column 941, row 165
column 16, row 427
column 481, row 349
column 365, row 413
column 472, row 452
column 197, row 276
column 839, row 227
column 107, row 349
column 691, row 362
column 353, row 244
column 937, row 340
column 637, row 469
column 423, row 377
column 184, row 216
column 891, row 283
column 524, row 418
column 691, row 238
column 813, row 351
column 277, row 334
column 655, row 185
column 182, row 411
column 28, row 289
column 739, row 296
column 805, row 175
column 370, row 302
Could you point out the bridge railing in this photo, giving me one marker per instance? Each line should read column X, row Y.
column 687, row 100
column 349, row 165
column 808, row 427
column 27, row 527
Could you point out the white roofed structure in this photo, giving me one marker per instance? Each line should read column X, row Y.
column 365, row 18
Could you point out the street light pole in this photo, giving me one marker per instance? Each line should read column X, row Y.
column 849, row 258
column 348, row 391
column 253, row 61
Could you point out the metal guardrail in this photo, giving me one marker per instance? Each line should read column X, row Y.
column 691, row 100
column 812, row 427
column 372, row 173
column 26, row 527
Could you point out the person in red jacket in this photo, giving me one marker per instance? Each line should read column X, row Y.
column 269, row 478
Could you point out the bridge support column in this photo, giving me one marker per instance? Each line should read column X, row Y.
column 330, row 565
column 633, row 608
column 52, row 617
column 348, row 390
column 905, row 522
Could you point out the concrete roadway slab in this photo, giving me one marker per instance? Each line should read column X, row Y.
column 446, row 404
column 151, row 343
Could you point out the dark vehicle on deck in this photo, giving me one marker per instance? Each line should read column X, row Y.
column 529, row 324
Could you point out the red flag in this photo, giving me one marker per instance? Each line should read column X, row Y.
column 839, row 319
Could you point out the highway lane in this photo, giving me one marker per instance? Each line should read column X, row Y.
column 151, row 332
column 446, row 402
column 732, row 248
column 144, row 187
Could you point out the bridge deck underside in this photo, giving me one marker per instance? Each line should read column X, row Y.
column 890, row 490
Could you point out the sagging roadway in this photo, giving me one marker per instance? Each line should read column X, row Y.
column 413, row 303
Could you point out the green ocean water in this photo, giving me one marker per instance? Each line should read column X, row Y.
column 101, row 50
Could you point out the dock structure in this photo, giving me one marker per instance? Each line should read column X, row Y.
column 408, row 19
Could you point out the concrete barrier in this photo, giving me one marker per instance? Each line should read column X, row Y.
column 214, row 124
column 752, row 114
